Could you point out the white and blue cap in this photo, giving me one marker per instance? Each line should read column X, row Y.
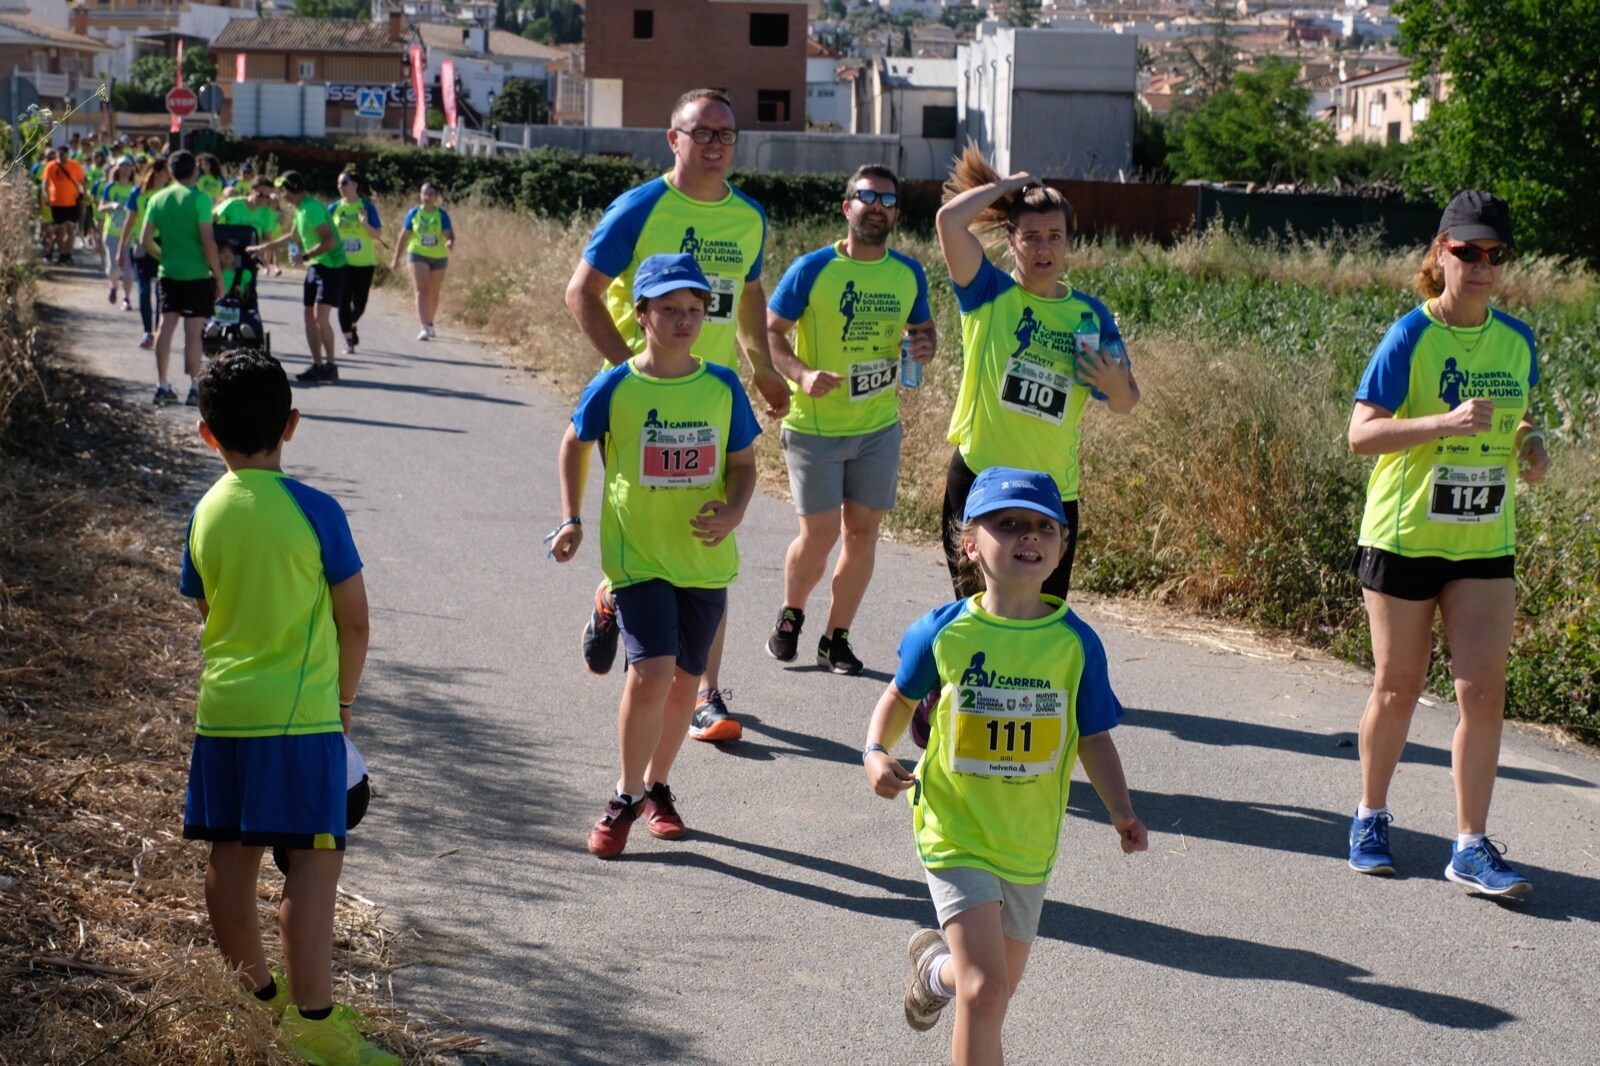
column 661, row 274
column 1001, row 487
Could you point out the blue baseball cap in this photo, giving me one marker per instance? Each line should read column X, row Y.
column 1001, row 487
column 661, row 274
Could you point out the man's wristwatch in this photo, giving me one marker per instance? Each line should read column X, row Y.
column 870, row 748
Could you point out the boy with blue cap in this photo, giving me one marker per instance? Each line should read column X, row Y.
column 677, row 435
column 1022, row 691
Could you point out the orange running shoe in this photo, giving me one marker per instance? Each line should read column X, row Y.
column 711, row 721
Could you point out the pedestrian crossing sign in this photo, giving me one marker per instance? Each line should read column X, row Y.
column 370, row 102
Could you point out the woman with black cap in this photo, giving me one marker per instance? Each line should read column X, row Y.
column 1444, row 407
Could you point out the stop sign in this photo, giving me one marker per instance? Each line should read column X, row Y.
column 182, row 102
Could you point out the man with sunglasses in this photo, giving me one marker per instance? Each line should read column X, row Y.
column 690, row 210
column 849, row 304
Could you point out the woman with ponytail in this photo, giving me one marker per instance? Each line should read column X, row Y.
column 1034, row 349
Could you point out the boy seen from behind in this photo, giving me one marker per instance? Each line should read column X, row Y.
column 275, row 574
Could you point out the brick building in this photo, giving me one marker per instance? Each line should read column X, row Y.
column 343, row 54
column 640, row 55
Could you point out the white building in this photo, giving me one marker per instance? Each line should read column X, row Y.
column 915, row 101
column 486, row 59
column 1057, row 103
column 829, row 103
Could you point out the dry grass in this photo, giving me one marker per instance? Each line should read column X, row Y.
column 105, row 951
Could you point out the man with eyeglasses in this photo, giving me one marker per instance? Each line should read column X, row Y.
column 690, row 210
column 848, row 304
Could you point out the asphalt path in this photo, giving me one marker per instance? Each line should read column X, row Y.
column 776, row 932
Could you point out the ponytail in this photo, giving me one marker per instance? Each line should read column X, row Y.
column 998, row 221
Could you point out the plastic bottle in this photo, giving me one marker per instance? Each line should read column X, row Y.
column 1086, row 338
column 1115, row 351
column 910, row 369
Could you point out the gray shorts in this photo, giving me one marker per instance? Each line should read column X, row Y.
column 431, row 262
column 959, row 888
column 826, row 471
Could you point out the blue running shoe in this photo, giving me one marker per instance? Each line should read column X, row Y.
column 1482, row 870
column 1369, row 845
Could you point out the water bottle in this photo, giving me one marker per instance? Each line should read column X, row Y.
column 294, row 253
column 910, row 369
column 1086, row 338
column 1117, row 353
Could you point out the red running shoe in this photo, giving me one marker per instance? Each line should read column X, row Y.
column 661, row 813
column 610, row 834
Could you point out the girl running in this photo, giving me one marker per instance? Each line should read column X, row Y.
column 211, row 180
column 426, row 240
column 356, row 219
column 145, row 266
column 1444, row 406
column 1021, row 690
column 114, row 194
column 1026, row 377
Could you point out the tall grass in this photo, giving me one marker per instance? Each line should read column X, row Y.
column 1230, row 489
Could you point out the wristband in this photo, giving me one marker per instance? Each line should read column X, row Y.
column 556, row 532
column 1532, row 434
column 346, row 703
column 870, row 748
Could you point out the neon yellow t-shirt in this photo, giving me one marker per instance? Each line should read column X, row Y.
column 116, row 193
column 1452, row 498
column 1014, row 698
column 725, row 237
column 666, row 444
column 429, row 229
column 264, row 551
column 1018, row 402
column 350, row 220
column 850, row 315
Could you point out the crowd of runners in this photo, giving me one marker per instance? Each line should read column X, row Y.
column 1003, row 688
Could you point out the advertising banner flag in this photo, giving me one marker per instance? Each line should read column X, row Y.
column 447, row 87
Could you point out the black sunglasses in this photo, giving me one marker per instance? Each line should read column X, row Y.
column 702, row 135
column 1471, row 253
column 873, row 196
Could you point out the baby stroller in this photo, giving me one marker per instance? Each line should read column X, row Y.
column 236, row 321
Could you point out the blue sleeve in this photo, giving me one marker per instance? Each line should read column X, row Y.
column 444, row 221
column 793, row 293
column 133, row 201
column 920, row 311
column 189, row 583
column 1388, row 375
column 918, row 674
column 592, row 419
column 1527, row 335
column 1108, row 324
column 743, row 428
column 1098, row 708
column 372, row 215
column 754, row 274
column 339, row 559
column 411, row 214
column 611, row 246
column 986, row 287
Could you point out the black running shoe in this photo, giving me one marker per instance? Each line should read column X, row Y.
column 712, row 722
column 311, row 373
column 600, row 635
column 330, row 371
column 834, row 653
column 785, row 639
column 355, row 337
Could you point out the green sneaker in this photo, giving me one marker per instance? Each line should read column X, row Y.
column 333, row 1041
column 281, row 1000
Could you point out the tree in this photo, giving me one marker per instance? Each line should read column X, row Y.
column 540, row 29
column 150, row 78
column 332, row 9
column 1258, row 129
column 1214, row 58
column 520, row 101
column 1522, row 114
column 1022, row 13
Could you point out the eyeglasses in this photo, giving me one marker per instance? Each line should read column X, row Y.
column 1471, row 253
column 702, row 135
column 873, row 196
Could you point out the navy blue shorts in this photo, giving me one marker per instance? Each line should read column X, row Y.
column 324, row 285
column 280, row 791
column 657, row 618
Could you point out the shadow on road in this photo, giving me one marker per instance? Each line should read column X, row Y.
column 1231, row 958
column 1226, row 732
column 453, row 789
column 800, row 744
column 374, row 422
column 424, row 390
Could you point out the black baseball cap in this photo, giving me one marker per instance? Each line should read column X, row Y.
column 1477, row 215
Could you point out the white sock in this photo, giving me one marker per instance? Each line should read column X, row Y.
column 1467, row 840
column 1369, row 812
column 625, row 798
column 930, row 976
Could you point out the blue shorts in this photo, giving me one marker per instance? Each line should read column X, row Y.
column 657, row 618
column 281, row 791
